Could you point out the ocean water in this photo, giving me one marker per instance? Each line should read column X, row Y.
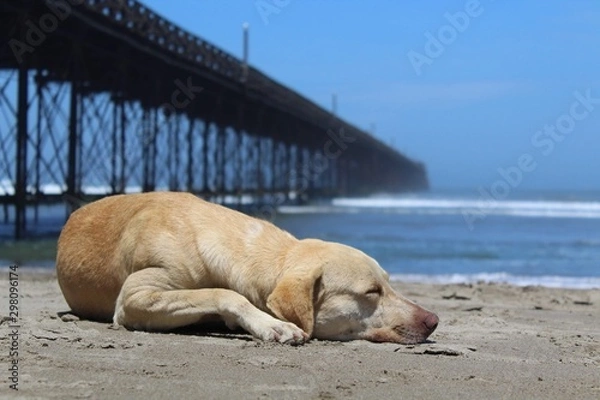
column 548, row 239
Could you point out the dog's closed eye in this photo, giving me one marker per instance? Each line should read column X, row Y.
column 374, row 291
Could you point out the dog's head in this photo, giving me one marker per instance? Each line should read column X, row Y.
column 337, row 292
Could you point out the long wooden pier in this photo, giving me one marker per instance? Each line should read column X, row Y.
column 99, row 97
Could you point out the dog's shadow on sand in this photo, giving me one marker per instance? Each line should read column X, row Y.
column 214, row 329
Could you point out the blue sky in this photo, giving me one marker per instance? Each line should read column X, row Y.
column 481, row 91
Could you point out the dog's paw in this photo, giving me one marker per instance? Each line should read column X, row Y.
column 265, row 327
column 274, row 330
column 285, row 332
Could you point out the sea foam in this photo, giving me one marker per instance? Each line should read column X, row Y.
column 564, row 282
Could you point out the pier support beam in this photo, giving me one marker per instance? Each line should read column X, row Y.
column 205, row 134
column 21, row 155
column 190, row 156
column 150, row 124
column 73, row 139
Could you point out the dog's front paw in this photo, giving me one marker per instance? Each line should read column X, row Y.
column 271, row 329
column 265, row 327
column 285, row 332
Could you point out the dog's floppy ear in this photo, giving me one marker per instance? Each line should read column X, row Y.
column 293, row 298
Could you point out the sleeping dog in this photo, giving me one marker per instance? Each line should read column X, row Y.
column 163, row 260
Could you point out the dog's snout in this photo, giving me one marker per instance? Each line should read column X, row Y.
column 431, row 322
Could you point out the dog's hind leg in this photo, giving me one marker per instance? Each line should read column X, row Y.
column 148, row 301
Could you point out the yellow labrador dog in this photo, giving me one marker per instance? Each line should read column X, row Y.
column 158, row 261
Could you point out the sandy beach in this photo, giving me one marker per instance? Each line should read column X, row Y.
column 494, row 341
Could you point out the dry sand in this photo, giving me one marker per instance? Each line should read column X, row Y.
column 494, row 341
